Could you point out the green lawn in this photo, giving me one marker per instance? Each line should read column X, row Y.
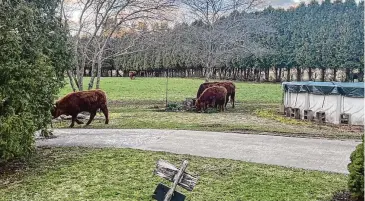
column 139, row 103
column 126, row 174
column 154, row 90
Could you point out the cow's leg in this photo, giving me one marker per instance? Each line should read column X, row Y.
column 92, row 115
column 73, row 119
column 226, row 101
column 105, row 111
column 232, row 99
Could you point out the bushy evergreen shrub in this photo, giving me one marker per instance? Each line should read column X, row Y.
column 33, row 58
column 356, row 169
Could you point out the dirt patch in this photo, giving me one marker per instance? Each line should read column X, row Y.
column 12, row 167
column 350, row 128
column 342, row 196
column 135, row 102
column 297, row 135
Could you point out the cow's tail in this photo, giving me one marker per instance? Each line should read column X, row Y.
column 102, row 100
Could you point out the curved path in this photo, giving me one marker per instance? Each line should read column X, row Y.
column 312, row 154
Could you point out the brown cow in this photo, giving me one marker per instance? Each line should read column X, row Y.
column 132, row 74
column 214, row 96
column 76, row 102
column 230, row 86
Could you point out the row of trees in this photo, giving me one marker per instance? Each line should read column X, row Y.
column 244, row 45
column 109, row 30
column 98, row 23
column 327, row 35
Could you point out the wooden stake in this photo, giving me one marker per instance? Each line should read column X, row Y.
column 176, row 181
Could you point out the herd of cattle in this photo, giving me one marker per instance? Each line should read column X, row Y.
column 210, row 94
column 215, row 94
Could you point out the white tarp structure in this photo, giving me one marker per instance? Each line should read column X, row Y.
column 333, row 98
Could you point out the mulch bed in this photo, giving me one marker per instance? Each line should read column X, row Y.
column 342, row 196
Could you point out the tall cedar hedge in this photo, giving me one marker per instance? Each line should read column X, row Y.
column 34, row 55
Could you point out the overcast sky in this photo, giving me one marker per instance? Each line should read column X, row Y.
column 288, row 3
column 182, row 15
column 283, row 3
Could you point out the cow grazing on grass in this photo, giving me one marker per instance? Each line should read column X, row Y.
column 230, row 86
column 214, row 96
column 132, row 74
column 82, row 101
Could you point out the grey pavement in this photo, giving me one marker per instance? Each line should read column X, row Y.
column 311, row 154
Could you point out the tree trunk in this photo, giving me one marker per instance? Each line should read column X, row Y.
column 92, row 76
column 79, row 73
column 99, row 72
column 361, row 75
column 70, row 76
column 235, row 70
column 267, row 72
column 244, row 73
column 299, row 74
column 347, row 79
column 208, row 74
column 334, row 74
column 276, row 74
column 255, row 77
column 239, row 73
column 280, row 71
column 248, row 74
column 310, row 74
column 288, row 74
column 322, row 74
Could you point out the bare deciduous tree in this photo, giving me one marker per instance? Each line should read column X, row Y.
column 101, row 20
column 221, row 29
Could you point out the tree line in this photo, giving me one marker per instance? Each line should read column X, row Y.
column 316, row 39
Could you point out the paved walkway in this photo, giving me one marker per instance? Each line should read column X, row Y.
column 312, row 154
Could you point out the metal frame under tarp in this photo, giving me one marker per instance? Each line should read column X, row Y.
column 333, row 98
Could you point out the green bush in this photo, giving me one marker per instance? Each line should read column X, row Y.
column 33, row 58
column 356, row 169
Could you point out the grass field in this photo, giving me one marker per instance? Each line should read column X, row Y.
column 139, row 103
column 125, row 174
column 153, row 90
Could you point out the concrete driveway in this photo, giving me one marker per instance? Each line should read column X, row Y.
column 311, row 154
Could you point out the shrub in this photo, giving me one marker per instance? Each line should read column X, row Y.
column 33, row 58
column 356, row 169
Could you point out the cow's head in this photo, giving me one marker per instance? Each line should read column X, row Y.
column 199, row 105
column 55, row 111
